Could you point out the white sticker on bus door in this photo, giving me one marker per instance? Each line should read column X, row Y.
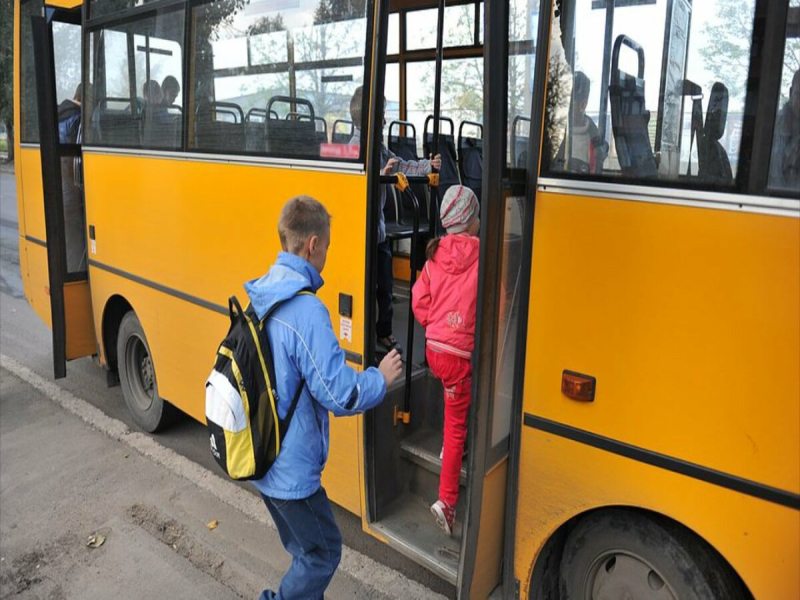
column 346, row 329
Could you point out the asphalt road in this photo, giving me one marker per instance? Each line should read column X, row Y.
column 25, row 338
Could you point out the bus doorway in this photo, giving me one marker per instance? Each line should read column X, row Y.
column 403, row 436
column 57, row 55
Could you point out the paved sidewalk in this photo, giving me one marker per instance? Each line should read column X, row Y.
column 67, row 471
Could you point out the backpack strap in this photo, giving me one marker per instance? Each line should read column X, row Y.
column 234, row 309
column 284, row 424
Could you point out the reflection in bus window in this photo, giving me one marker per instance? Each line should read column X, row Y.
column 274, row 80
column 666, row 92
column 523, row 21
column 784, row 170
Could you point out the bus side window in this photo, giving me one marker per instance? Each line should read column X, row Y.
column 150, row 113
column 660, row 97
column 784, row 169
column 311, row 60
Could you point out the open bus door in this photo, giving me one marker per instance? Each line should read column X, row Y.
column 403, row 454
column 73, row 328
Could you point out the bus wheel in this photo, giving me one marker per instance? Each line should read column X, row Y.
column 624, row 554
column 137, row 377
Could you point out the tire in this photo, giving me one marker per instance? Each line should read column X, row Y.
column 627, row 555
column 137, row 377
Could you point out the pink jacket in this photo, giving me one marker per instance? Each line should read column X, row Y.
column 445, row 296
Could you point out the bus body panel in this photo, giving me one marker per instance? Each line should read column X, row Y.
column 202, row 229
column 35, row 278
column 562, row 479
column 30, row 216
column 688, row 319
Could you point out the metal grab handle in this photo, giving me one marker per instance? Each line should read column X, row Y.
column 624, row 39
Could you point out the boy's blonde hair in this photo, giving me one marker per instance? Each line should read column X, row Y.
column 302, row 217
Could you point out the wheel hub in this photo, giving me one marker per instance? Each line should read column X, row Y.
column 620, row 576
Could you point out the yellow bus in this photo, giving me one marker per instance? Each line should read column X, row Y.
column 635, row 424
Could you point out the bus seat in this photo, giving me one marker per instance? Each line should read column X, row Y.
column 470, row 157
column 629, row 115
column 255, row 129
column 116, row 127
column 219, row 126
column 519, row 143
column 161, row 130
column 342, row 135
column 320, row 133
column 714, row 165
column 292, row 136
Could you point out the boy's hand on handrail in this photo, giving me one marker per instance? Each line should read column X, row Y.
column 391, row 367
column 436, row 162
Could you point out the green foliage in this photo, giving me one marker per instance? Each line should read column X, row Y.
column 333, row 11
column 267, row 25
column 727, row 54
column 7, row 64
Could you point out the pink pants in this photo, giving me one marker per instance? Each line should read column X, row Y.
column 455, row 374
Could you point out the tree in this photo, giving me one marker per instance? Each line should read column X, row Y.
column 727, row 53
column 267, row 25
column 7, row 71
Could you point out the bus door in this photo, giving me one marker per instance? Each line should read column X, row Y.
column 56, row 46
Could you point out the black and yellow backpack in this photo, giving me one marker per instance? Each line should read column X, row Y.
column 242, row 398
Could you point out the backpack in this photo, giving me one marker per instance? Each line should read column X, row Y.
column 242, row 398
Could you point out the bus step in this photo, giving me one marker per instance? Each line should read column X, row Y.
column 423, row 447
column 411, row 529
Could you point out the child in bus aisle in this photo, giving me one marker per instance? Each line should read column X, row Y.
column 444, row 300
column 390, row 163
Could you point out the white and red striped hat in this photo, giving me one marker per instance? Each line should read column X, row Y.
column 459, row 207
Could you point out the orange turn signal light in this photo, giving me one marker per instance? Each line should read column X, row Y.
column 578, row 386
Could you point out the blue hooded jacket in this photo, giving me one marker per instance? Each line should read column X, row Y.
column 305, row 346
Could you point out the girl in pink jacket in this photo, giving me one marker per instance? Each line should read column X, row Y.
column 444, row 300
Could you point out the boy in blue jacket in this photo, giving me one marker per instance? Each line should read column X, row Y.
column 305, row 348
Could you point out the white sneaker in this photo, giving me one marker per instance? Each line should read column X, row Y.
column 445, row 516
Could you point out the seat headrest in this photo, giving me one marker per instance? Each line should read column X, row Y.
column 717, row 112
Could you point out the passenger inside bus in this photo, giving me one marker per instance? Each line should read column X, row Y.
column 170, row 88
column 784, row 170
column 390, row 163
column 586, row 148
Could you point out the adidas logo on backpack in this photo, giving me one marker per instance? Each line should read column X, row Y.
column 242, row 398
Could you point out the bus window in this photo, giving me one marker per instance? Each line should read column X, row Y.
column 274, row 80
column 523, row 19
column 784, row 170
column 138, row 103
column 676, row 81
column 29, row 111
column 459, row 27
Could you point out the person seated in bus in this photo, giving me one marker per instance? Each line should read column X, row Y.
column 170, row 88
column 306, row 353
column 587, row 149
column 390, row 163
column 444, row 300
column 151, row 93
column 784, row 170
